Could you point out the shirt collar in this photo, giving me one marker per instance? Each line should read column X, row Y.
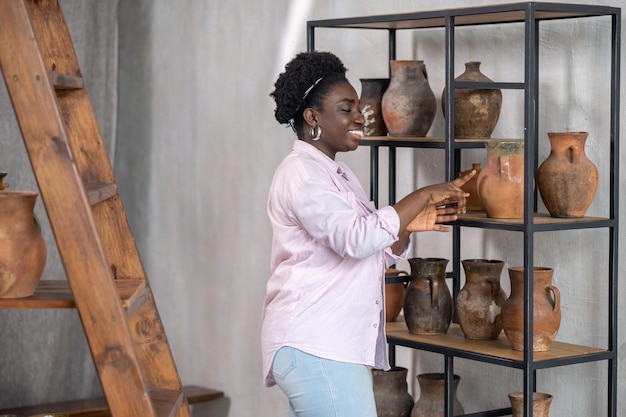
column 303, row 147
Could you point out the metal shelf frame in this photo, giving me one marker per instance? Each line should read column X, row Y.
column 530, row 14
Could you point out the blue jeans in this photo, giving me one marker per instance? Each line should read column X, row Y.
column 319, row 387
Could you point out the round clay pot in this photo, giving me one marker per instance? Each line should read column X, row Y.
column 409, row 104
column 501, row 182
column 479, row 302
column 391, row 392
column 428, row 302
column 541, row 404
column 372, row 90
column 567, row 179
column 476, row 110
column 431, row 399
column 472, row 202
column 546, row 309
column 23, row 254
column 394, row 294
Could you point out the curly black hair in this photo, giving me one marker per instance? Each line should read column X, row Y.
column 301, row 73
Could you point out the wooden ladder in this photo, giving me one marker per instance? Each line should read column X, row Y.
column 104, row 272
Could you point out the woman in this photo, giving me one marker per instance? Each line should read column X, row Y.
column 323, row 316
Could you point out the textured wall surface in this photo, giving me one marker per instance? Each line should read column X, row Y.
column 196, row 147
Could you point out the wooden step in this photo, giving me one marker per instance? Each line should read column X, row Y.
column 99, row 192
column 57, row 294
column 97, row 407
column 65, row 82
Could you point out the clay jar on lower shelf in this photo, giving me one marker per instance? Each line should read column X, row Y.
column 479, row 302
column 23, row 254
column 391, row 392
column 428, row 302
column 541, row 404
column 546, row 309
column 567, row 179
column 501, row 182
column 431, row 399
column 394, row 294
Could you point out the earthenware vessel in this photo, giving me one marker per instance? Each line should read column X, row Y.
column 472, row 202
column 391, row 392
column 541, row 404
column 431, row 399
column 372, row 90
column 394, row 294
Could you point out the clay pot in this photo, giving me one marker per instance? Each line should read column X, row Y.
column 394, row 295
column 567, row 179
column 431, row 400
column 23, row 251
column 501, row 182
column 541, row 404
column 472, row 202
column 476, row 111
column 428, row 303
column 409, row 104
column 479, row 302
column 391, row 393
column 372, row 90
column 3, row 185
column 546, row 309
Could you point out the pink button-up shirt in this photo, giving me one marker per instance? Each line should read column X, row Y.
column 330, row 250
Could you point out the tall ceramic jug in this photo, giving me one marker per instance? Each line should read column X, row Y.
column 372, row 90
column 479, row 302
column 567, row 179
column 501, row 182
column 476, row 110
column 391, row 392
column 546, row 309
column 431, row 399
column 409, row 104
column 428, row 302
column 22, row 248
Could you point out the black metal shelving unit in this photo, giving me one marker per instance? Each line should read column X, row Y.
column 453, row 345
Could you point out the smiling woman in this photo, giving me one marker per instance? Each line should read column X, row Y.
column 323, row 315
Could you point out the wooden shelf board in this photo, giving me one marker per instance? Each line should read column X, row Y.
column 539, row 218
column 57, row 294
column 499, row 348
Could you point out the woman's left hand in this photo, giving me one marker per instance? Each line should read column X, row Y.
column 429, row 218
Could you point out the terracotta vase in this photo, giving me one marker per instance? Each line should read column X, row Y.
column 3, row 185
column 394, row 294
column 541, row 404
column 391, row 392
column 409, row 104
column 431, row 399
column 372, row 90
column 567, row 179
column 476, row 111
column 546, row 309
column 23, row 251
column 501, row 182
column 473, row 201
column 428, row 302
column 479, row 302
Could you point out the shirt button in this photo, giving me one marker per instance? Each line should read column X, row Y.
column 375, row 325
column 377, row 302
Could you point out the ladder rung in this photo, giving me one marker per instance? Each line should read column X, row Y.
column 65, row 82
column 57, row 294
column 166, row 402
column 98, row 192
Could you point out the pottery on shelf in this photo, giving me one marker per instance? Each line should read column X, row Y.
column 476, row 110
column 567, row 179
column 541, row 404
column 372, row 90
column 431, row 399
column 428, row 302
column 472, row 202
column 23, row 254
column 546, row 309
column 479, row 302
column 391, row 392
column 3, row 185
column 394, row 294
column 409, row 104
column 501, row 181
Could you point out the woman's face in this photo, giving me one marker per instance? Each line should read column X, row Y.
column 340, row 119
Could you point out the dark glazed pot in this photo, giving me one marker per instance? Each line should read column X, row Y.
column 428, row 302
column 391, row 392
column 372, row 90
column 409, row 104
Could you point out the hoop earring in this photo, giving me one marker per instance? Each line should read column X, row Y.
column 315, row 132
